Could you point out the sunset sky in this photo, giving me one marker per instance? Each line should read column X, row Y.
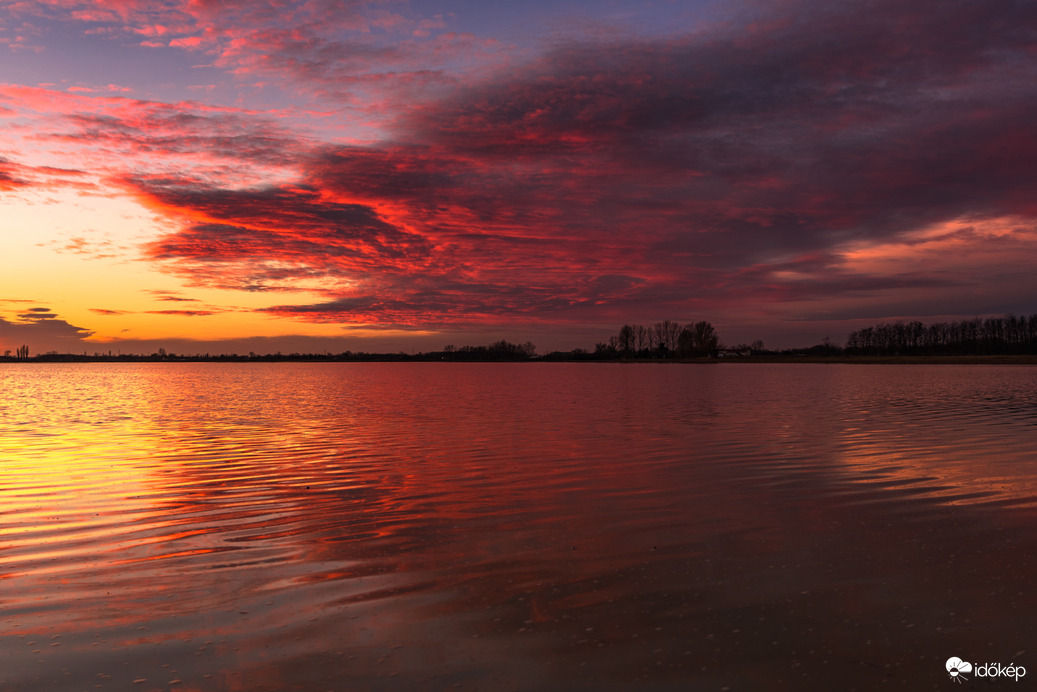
column 218, row 176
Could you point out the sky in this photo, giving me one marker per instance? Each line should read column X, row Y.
column 232, row 176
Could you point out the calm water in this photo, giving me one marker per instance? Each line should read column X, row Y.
column 514, row 527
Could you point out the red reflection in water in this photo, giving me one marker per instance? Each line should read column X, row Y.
column 311, row 526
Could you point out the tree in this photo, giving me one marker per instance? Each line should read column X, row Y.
column 641, row 338
column 686, row 342
column 704, row 339
column 626, row 340
column 666, row 334
column 23, row 353
column 991, row 336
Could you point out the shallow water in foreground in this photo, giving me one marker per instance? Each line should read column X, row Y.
column 319, row 526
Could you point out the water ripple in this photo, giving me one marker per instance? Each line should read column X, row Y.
column 365, row 508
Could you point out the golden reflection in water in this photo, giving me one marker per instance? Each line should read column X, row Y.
column 61, row 496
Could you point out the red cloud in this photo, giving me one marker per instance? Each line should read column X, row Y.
column 183, row 313
column 742, row 163
column 647, row 162
column 274, row 238
column 15, row 176
column 10, row 175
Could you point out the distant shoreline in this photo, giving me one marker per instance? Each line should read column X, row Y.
column 1021, row 359
column 550, row 358
column 848, row 360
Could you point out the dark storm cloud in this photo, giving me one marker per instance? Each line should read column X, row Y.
column 863, row 119
column 41, row 331
column 742, row 163
column 404, row 304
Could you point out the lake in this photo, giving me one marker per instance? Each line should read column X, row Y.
column 569, row 526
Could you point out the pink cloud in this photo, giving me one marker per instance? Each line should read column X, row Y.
column 209, row 139
column 151, row 30
column 188, row 42
column 15, row 175
column 330, row 48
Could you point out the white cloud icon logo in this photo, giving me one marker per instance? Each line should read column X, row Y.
column 956, row 666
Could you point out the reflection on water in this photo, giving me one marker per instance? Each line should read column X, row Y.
column 528, row 526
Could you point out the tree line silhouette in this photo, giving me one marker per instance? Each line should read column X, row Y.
column 23, row 353
column 499, row 350
column 664, row 339
column 993, row 336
